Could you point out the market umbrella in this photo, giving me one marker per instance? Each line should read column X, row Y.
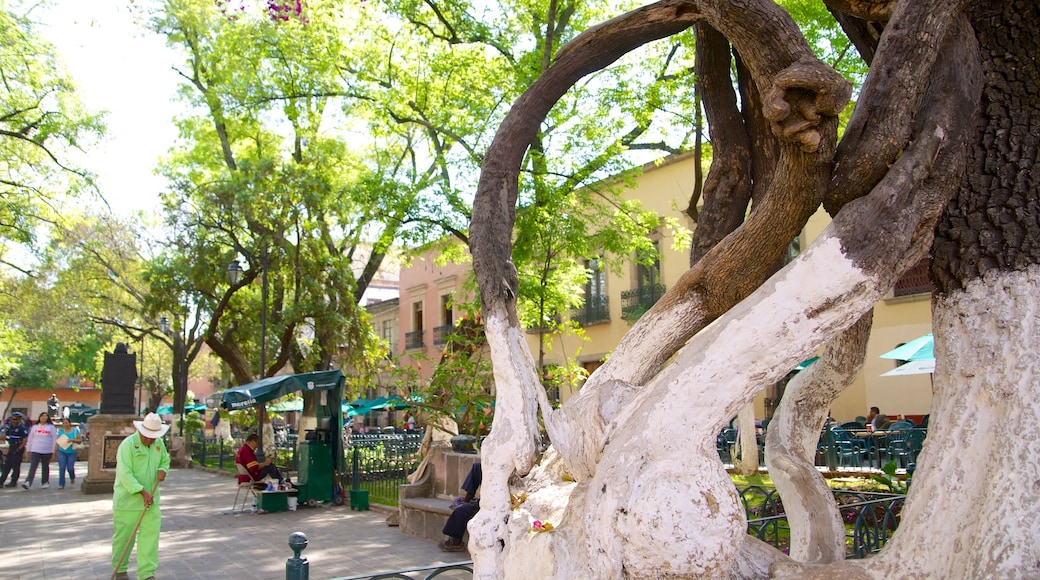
column 922, row 348
column 283, row 406
column 391, row 402
column 168, row 409
column 914, row 367
column 805, row 363
column 919, row 354
column 78, row 412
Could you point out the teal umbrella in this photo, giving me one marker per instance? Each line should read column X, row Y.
column 391, row 402
column 805, row 363
column 168, row 409
column 283, row 406
column 919, row 355
column 922, row 348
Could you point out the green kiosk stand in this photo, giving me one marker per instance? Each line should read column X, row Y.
column 315, row 480
column 320, row 453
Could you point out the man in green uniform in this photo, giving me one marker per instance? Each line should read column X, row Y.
column 141, row 463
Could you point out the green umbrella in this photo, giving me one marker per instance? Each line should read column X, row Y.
column 921, row 348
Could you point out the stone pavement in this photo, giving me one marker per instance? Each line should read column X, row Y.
column 52, row 533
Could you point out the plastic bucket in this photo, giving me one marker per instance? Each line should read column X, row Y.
column 292, row 503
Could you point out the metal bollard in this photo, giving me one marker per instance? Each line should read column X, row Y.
column 297, row 568
column 355, row 477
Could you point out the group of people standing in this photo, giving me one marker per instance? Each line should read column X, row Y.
column 42, row 440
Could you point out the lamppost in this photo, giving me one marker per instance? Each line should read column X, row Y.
column 234, row 273
column 140, row 377
column 164, row 327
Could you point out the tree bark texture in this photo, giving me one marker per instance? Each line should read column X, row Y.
column 634, row 485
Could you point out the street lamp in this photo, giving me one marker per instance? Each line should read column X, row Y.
column 234, row 274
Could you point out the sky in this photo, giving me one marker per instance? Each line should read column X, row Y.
column 120, row 68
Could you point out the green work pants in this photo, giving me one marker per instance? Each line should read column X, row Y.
column 147, row 539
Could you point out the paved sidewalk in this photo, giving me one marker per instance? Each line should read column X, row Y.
column 52, row 533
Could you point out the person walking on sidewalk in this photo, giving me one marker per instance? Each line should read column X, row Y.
column 15, row 434
column 67, row 454
column 142, row 461
column 42, row 438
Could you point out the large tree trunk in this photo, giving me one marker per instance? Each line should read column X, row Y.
column 634, row 486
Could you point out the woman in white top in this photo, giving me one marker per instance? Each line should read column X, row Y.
column 42, row 438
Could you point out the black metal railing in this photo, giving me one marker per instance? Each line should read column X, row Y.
column 413, row 340
column 220, row 453
column 441, row 333
column 844, row 449
column 423, row 573
column 636, row 301
column 870, row 518
column 382, row 461
column 595, row 311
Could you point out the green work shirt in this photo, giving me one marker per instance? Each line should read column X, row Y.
column 137, row 468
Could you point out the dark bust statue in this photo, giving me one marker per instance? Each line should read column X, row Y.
column 118, row 378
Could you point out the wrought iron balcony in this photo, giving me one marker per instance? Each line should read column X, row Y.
column 595, row 311
column 413, row 340
column 636, row 301
column 441, row 333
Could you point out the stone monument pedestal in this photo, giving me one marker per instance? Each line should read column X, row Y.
column 180, row 455
column 106, row 433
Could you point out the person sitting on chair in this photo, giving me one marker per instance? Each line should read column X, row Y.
column 462, row 511
column 246, row 457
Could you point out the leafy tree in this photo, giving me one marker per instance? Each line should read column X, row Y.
column 637, row 438
column 301, row 209
column 42, row 125
column 450, row 70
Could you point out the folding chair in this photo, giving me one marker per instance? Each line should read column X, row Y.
column 247, row 485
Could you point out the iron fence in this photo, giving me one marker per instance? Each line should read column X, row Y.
column 212, row 451
column 380, row 462
column 870, row 518
column 424, row 573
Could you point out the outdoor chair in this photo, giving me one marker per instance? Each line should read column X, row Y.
column 849, row 449
column 909, row 447
column 901, row 426
column 250, row 486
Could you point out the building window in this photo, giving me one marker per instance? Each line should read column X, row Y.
column 915, row 281
column 446, row 316
column 596, row 309
column 440, row 333
column 414, row 339
column 388, row 334
column 648, row 288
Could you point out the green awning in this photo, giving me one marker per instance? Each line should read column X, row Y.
column 271, row 388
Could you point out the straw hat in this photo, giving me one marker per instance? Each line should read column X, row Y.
column 152, row 426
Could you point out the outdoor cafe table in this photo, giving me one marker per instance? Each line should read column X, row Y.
column 873, row 440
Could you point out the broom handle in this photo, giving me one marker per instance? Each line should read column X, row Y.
column 130, row 542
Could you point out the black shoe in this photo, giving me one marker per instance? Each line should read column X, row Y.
column 12, row 484
column 452, row 546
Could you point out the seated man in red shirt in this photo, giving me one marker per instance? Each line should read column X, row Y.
column 246, row 456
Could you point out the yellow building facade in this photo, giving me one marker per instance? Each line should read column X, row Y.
column 416, row 325
column 665, row 188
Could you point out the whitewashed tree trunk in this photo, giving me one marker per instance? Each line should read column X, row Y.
column 817, row 530
column 637, row 490
column 747, row 443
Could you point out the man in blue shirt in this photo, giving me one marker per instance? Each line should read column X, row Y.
column 15, row 433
